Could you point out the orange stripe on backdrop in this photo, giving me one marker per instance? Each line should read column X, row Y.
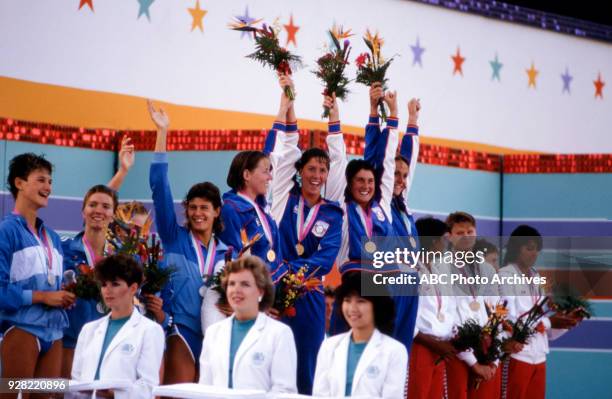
column 24, row 100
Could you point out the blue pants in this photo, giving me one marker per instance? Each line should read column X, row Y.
column 308, row 328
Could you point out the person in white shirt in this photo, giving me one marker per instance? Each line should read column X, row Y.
column 526, row 370
column 365, row 361
column 249, row 350
column 124, row 345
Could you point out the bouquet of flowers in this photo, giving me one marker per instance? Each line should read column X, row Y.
column 128, row 238
column 268, row 50
column 566, row 300
column 372, row 67
column 332, row 65
column 527, row 324
column 82, row 284
column 292, row 287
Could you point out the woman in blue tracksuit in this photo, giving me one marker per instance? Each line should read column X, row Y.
column 310, row 232
column 89, row 246
column 245, row 212
column 196, row 252
column 366, row 194
column 31, row 300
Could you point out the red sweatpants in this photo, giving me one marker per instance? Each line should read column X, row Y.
column 426, row 379
column 525, row 380
column 461, row 384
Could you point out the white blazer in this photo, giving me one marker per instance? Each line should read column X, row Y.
column 266, row 359
column 380, row 373
column 135, row 353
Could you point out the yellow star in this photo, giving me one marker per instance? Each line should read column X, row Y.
column 197, row 14
column 532, row 73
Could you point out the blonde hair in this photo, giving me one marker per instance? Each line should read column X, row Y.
column 263, row 281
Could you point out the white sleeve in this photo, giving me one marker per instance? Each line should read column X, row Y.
column 395, row 380
column 149, row 362
column 77, row 363
column 412, row 167
column 286, row 152
column 388, row 177
column 336, row 180
column 205, row 355
column 283, row 370
column 321, row 386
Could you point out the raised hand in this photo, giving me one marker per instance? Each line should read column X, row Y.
column 376, row 94
column 127, row 154
column 391, row 101
column 331, row 104
column 159, row 117
column 414, row 106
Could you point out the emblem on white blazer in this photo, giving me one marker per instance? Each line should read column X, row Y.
column 127, row 349
column 372, row 371
column 380, row 215
column 320, row 228
column 258, row 358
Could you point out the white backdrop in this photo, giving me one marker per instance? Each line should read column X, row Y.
column 51, row 41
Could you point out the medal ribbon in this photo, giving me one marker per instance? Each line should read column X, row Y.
column 262, row 218
column 366, row 220
column 303, row 227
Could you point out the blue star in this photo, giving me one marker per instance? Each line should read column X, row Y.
column 144, row 8
column 496, row 65
column 246, row 18
column 567, row 79
column 417, row 52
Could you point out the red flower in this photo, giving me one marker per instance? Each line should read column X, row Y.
column 290, row 312
column 507, row 326
column 361, row 60
column 541, row 328
column 284, row 67
column 485, row 343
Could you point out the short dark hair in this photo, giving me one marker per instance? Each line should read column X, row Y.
column 401, row 158
column 312, row 153
column 519, row 237
column 459, row 217
column 263, row 281
column 102, row 189
column 245, row 160
column 429, row 229
column 209, row 192
column 354, row 167
column 485, row 246
column 356, row 283
column 119, row 267
column 22, row 165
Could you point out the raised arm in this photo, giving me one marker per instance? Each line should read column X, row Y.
column 126, row 161
column 387, row 173
column 374, row 152
column 165, row 216
column 336, row 181
column 409, row 148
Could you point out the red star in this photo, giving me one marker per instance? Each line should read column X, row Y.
column 599, row 85
column 88, row 2
column 291, row 31
column 458, row 60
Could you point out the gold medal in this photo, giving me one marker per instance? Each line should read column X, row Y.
column 441, row 317
column 299, row 248
column 475, row 306
column 370, row 246
column 412, row 242
column 271, row 255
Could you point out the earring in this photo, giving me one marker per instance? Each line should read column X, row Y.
column 259, row 299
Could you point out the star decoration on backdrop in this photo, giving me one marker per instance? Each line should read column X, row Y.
column 599, row 85
column 86, row 2
column 496, row 66
column 197, row 14
column 458, row 61
column 144, row 8
column 247, row 20
column 417, row 53
column 532, row 73
column 567, row 79
column 291, row 31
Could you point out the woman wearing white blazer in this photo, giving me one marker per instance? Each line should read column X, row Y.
column 365, row 361
column 124, row 344
column 249, row 350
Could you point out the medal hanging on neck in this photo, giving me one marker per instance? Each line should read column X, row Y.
column 90, row 254
column 206, row 266
column 304, row 226
column 439, row 314
column 47, row 247
column 408, row 225
column 366, row 222
column 474, row 304
column 270, row 255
